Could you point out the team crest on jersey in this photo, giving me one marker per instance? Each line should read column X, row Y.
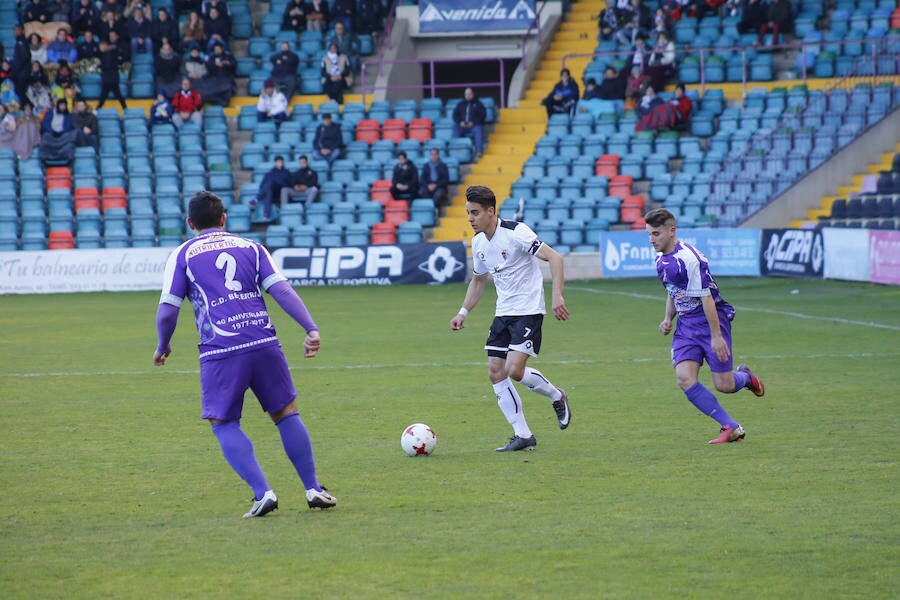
column 504, row 254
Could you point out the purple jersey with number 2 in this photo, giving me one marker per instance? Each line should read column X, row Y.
column 684, row 273
column 223, row 276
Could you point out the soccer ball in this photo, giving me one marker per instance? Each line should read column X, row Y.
column 418, row 440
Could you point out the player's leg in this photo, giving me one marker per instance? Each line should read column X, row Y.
column 505, row 391
column 222, row 384
column 686, row 372
column 271, row 382
column 525, row 334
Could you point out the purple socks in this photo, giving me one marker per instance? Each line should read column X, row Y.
column 706, row 402
column 741, row 379
column 238, row 451
column 295, row 439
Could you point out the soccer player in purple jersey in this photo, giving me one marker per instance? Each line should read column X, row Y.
column 510, row 251
column 704, row 325
column 223, row 276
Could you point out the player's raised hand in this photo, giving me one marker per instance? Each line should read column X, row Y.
column 159, row 358
column 311, row 344
column 560, row 310
column 665, row 326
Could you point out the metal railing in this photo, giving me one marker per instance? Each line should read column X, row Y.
column 433, row 87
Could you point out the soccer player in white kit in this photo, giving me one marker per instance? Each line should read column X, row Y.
column 509, row 251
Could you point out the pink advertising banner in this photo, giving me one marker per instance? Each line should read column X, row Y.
column 884, row 252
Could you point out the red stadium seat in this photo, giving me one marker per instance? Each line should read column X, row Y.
column 632, row 209
column 60, row 240
column 420, row 129
column 368, row 130
column 394, row 130
column 607, row 165
column 114, row 197
column 59, row 178
column 620, row 186
column 381, row 191
column 86, row 198
column 384, row 233
column 396, row 212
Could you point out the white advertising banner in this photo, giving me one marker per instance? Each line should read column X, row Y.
column 63, row 271
column 846, row 254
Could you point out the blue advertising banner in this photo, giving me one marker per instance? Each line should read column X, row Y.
column 441, row 16
column 373, row 265
column 792, row 253
column 730, row 251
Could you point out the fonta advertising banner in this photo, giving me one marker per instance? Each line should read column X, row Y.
column 441, row 16
column 63, row 271
column 792, row 253
column 373, row 265
column 884, row 253
column 731, row 252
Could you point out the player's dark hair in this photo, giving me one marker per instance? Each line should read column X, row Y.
column 205, row 210
column 659, row 217
column 482, row 195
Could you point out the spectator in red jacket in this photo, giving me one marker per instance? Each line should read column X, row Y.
column 187, row 104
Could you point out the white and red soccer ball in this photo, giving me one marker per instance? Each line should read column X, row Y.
column 418, row 440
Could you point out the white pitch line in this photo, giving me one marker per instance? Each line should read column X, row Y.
column 662, row 358
column 661, row 297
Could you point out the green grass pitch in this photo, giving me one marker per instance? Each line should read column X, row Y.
column 112, row 487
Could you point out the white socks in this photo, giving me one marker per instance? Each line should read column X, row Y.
column 511, row 405
column 537, row 383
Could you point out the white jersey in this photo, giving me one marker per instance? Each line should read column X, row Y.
column 509, row 258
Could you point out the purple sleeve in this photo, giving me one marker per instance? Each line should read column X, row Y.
column 166, row 320
column 288, row 299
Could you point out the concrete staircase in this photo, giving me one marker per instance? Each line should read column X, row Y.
column 517, row 130
column 844, row 191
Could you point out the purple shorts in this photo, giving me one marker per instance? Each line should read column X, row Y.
column 224, row 381
column 691, row 341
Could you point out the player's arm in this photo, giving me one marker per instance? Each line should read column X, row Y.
column 166, row 321
column 473, row 295
column 557, row 273
column 287, row 299
column 665, row 326
column 717, row 342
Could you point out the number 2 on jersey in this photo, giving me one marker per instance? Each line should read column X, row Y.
column 227, row 262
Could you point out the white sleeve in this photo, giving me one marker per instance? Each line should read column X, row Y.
column 527, row 238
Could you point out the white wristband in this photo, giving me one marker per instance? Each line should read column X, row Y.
column 463, row 311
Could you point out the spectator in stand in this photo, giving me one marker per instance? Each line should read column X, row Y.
column 161, row 112
column 65, row 84
column 591, row 91
column 304, row 185
column 272, row 104
column 779, row 19
column 661, row 23
column 271, row 185
column 661, row 66
column 112, row 57
column 220, row 5
column 218, row 85
column 648, row 102
column 435, row 179
column 634, row 88
column 85, row 17
column 5, row 71
column 37, row 75
column 36, row 12
column 317, row 15
column 336, row 74
column 165, row 29
column 192, row 31
column 60, row 10
column 284, row 69
column 133, row 6
column 88, row 55
column 7, row 128
column 21, row 59
column 704, row 7
column 28, row 132
column 58, row 135
column 675, row 9
column 217, row 29
column 664, row 116
column 346, row 43
column 85, row 123
column 194, row 65
column 613, row 85
column 368, row 16
column 627, row 31
column 38, row 49
column 641, row 53
column 563, row 97
column 62, row 48
column 405, row 180
column 344, row 12
column 187, row 105
column 468, row 120
column 167, row 68
column 110, row 21
column 139, row 30
column 328, row 143
column 608, row 22
column 294, row 16
column 753, row 16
